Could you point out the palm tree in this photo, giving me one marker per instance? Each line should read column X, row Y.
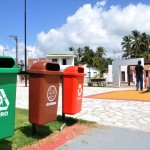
column 126, row 46
column 100, row 52
column 88, row 55
column 145, row 43
column 136, row 42
column 79, row 53
column 71, row 49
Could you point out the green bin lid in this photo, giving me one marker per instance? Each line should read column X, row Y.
column 8, row 65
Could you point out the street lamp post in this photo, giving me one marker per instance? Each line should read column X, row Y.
column 16, row 39
column 25, row 42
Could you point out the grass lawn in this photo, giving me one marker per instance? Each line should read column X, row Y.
column 23, row 130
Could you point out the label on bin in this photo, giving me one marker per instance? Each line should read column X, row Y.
column 4, row 103
column 51, row 95
column 79, row 92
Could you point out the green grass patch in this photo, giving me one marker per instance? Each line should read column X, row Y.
column 23, row 135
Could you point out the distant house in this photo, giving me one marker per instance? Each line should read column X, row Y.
column 109, row 75
column 64, row 58
column 90, row 72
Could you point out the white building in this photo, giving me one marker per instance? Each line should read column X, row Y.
column 109, row 75
column 90, row 72
column 64, row 58
column 117, row 72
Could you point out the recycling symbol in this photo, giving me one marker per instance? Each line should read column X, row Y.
column 80, row 90
column 4, row 103
column 51, row 93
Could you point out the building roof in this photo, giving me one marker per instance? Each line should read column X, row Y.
column 61, row 53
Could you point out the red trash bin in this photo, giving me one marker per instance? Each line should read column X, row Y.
column 44, row 84
column 73, row 78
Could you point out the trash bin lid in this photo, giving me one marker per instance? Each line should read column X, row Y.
column 74, row 70
column 8, row 65
column 45, row 68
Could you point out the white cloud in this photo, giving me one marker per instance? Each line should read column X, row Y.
column 2, row 50
column 101, row 3
column 97, row 26
column 32, row 52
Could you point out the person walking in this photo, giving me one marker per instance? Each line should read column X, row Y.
column 139, row 70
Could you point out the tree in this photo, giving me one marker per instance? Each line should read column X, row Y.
column 99, row 61
column 100, row 52
column 136, row 43
column 126, row 46
column 93, row 59
column 145, row 44
column 78, row 55
column 71, row 49
column 88, row 55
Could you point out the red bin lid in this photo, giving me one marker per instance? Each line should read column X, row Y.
column 74, row 70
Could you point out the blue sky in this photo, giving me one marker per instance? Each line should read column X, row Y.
column 50, row 22
column 42, row 15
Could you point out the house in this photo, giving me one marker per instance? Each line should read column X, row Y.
column 91, row 72
column 64, row 58
column 109, row 75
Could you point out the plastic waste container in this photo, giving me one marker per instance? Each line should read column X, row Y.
column 73, row 78
column 8, row 77
column 44, row 80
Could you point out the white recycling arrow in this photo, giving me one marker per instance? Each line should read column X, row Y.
column 3, row 98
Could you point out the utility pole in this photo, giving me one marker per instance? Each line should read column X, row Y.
column 25, row 47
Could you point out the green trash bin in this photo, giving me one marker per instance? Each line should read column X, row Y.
column 8, row 77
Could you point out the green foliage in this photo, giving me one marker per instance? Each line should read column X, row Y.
column 92, row 58
column 88, row 55
column 136, row 45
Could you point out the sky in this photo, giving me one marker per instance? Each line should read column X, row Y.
column 56, row 25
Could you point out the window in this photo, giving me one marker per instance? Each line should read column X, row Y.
column 64, row 62
column 123, row 75
column 54, row 60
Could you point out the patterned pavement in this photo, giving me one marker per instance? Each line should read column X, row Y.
column 133, row 115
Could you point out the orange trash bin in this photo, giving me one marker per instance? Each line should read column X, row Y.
column 43, row 92
column 73, row 78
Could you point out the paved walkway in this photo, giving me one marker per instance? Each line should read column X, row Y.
column 106, row 138
column 124, row 125
column 116, row 113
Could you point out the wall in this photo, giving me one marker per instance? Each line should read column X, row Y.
column 69, row 60
column 109, row 76
column 116, row 68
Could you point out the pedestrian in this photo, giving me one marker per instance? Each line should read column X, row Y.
column 139, row 70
